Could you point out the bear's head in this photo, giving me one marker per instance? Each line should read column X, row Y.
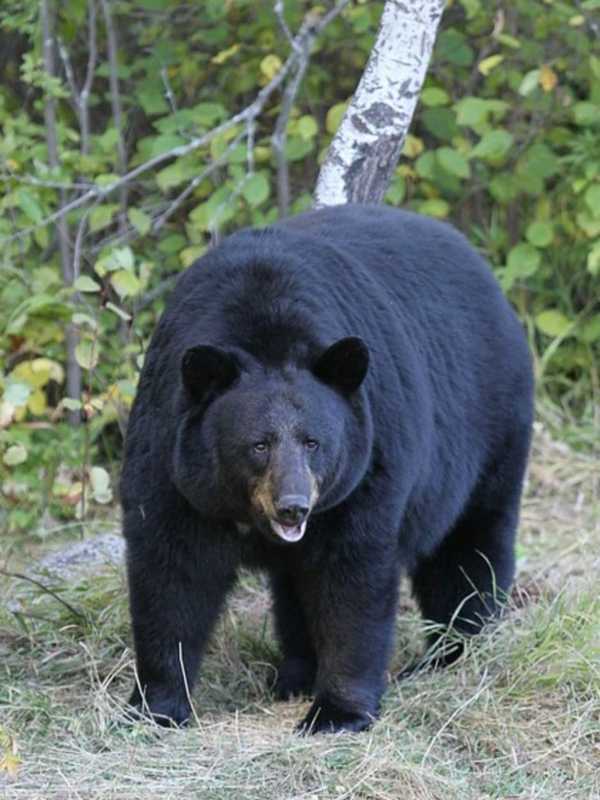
column 265, row 447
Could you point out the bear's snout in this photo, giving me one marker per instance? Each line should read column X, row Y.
column 292, row 509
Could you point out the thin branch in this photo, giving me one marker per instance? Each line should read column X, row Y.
column 310, row 29
column 84, row 95
column 158, row 291
column 181, row 198
column 31, row 180
column 279, row 137
column 279, row 13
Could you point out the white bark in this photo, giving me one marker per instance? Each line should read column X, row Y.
column 365, row 150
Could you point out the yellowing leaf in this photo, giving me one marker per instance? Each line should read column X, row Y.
column 307, row 127
column 37, row 403
column 225, row 55
column 270, row 66
column 552, row 323
column 100, row 483
column 86, row 353
column 10, row 763
column 86, row 284
column 489, row 63
column 548, row 78
column 189, row 254
column 334, row 116
column 413, row 146
column 16, row 454
column 125, row 283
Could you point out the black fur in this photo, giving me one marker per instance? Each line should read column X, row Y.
column 421, row 421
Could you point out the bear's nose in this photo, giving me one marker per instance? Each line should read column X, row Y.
column 292, row 509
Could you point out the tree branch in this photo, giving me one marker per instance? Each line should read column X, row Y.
column 312, row 26
column 279, row 137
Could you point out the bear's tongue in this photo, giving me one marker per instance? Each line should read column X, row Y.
column 289, row 533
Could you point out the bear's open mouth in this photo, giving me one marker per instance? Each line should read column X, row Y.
column 289, row 533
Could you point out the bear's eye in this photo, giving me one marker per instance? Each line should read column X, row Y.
column 260, row 447
column 311, row 444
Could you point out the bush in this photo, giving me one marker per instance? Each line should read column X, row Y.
column 505, row 143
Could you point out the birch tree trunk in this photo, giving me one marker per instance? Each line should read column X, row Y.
column 366, row 148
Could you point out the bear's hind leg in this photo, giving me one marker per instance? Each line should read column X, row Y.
column 296, row 673
column 465, row 581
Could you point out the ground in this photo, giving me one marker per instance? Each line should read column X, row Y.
column 518, row 718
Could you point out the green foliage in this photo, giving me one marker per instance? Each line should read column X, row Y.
column 505, row 143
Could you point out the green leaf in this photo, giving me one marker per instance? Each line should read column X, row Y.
column 474, row 112
column 86, row 353
column 471, row 111
column 441, row 122
column 538, row 161
column 493, row 145
column 125, row 283
column 16, row 454
column 593, row 259
column 30, row 206
column 436, row 207
column 552, row 323
column 452, row 47
column 530, row 82
column 307, row 127
column 151, row 99
column 140, row 220
column 296, row 148
column 490, row 63
column 592, row 199
column 71, row 404
column 86, row 284
column 540, row 234
column 173, row 175
column 453, row 162
column 174, row 242
column 101, row 216
column 523, row 261
column 586, row 114
column 425, row 165
column 256, row 189
column 590, row 331
column 434, row 96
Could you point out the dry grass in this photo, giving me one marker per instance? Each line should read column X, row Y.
column 519, row 718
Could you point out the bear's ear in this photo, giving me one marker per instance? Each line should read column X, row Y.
column 205, row 368
column 344, row 364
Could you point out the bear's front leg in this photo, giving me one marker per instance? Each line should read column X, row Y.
column 352, row 604
column 178, row 580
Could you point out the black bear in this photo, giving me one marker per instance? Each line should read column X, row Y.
column 337, row 399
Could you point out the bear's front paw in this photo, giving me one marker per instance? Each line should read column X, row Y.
column 326, row 716
column 295, row 678
column 167, row 710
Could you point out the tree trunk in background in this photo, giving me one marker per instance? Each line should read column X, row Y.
column 48, row 14
column 366, row 148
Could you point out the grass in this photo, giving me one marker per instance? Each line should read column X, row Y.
column 518, row 718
